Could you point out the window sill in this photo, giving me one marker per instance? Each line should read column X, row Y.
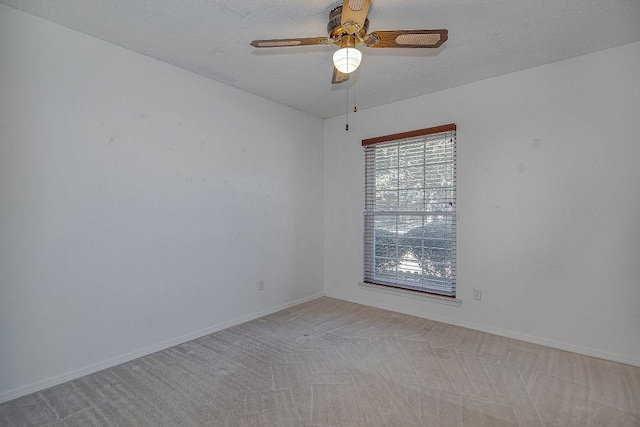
column 454, row 302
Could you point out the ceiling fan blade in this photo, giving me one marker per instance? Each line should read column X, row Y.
column 309, row 41
column 339, row 77
column 355, row 11
column 407, row 38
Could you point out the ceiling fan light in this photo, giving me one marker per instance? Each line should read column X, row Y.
column 347, row 59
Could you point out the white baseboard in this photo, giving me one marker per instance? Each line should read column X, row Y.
column 628, row 360
column 59, row 379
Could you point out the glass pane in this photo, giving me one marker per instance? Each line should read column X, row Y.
column 386, row 201
column 386, row 179
column 435, row 269
column 439, row 199
column 385, row 248
column 387, row 157
column 385, row 224
column 408, row 251
column 439, row 175
column 433, row 223
column 412, row 177
column 439, row 255
column 408, row 244
column 408, row 223
column 408, row 260
column 411, row 200
column 411, row 154
column 437, row 243
column 385, row 237
column 439, row 150
column 385, row 269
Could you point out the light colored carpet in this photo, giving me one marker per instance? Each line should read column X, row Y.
column 330, row 362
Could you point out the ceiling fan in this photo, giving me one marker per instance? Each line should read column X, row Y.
column 347, row 27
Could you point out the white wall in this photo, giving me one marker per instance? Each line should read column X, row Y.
column 548, row 199
column 140, row 204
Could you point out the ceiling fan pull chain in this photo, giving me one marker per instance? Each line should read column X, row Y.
column 347, row 105
column 346, row 128
column 355, row 94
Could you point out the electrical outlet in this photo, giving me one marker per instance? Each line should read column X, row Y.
column 261, row 285
column 477, row 294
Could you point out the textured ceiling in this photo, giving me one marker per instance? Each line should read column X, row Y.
column 211, row 38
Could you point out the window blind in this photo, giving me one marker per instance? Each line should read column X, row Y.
column 410, row 210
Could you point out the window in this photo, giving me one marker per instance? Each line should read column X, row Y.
column 410, row 210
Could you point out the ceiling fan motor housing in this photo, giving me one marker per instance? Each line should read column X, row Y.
column 336, row 29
